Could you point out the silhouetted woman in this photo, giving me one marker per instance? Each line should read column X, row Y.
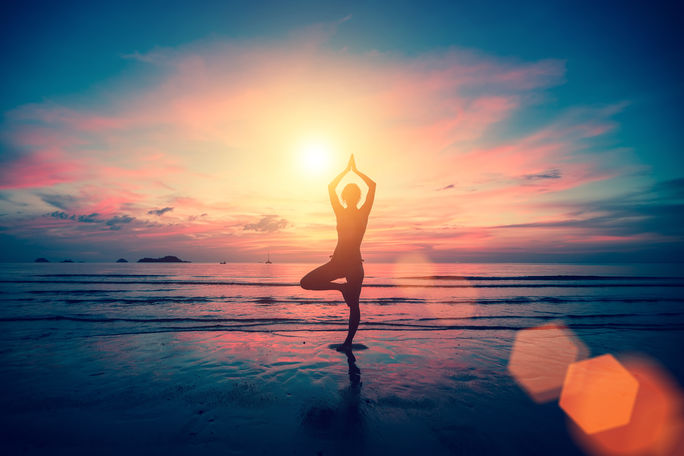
column 346, row 260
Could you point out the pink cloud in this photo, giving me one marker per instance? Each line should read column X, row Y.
column 211, row 134
column 41, row 168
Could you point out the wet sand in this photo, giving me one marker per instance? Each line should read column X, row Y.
column 255, row 393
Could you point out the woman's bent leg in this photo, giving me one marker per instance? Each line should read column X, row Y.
column 322, row 278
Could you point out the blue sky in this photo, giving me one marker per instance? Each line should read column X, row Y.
column 614, row 50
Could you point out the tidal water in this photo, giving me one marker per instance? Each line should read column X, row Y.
column 81, row 300
column 236, row 359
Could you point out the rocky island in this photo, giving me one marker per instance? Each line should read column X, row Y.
column 166, row 259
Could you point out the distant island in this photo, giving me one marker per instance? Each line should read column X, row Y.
column 67, row 261
column 41, row 260
column 124, row 260
column 166, row 259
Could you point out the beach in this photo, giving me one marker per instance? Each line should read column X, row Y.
column 236, row 358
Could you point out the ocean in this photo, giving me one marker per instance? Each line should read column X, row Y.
column 208, row 357
column 110, row 299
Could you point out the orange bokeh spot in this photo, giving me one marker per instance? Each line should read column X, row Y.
column 412, row 272
column 404, row 272
column 540, row 358
column 657, row 423
column 599, row 394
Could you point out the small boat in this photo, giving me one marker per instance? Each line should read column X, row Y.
column 268, row 259
column 222, row 262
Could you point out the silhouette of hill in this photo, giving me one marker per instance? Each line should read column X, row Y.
column 41, row 260
column 166, row 259
column 122, row 260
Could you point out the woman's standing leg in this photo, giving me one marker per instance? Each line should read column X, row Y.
column 352, row 293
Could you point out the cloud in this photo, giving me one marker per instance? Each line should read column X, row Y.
column 91, row 218
column 161, row 211
column 267, row 224
column 192, row 218
column 650, row 212
column 115, row 223
column 63, row 202
column 42, row 167
column 554, row 173
column 670, row 189
column 221, row 123
column 60, row 215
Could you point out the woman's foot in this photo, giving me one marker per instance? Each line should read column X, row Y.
column 344, row 347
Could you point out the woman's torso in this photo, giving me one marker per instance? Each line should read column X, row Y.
column 351, row 226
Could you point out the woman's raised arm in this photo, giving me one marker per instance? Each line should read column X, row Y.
column 332, row 188
column 370, row 197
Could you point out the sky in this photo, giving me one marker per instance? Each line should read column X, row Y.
column 496, row 132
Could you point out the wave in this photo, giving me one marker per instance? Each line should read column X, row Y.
column 68, row 292
column 538, row 278
column 522, row 300
column 566, row 299
column 278, row 320
column 288, row 300
column 368, row 285
column 150, row 320
column 102, row 275
column 146, row 301
column 406, row 328
column 555, row 317
column 560, row 277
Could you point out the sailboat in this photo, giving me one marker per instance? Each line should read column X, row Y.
column 268, row 259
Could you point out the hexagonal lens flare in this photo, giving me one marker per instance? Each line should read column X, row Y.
column 540, row 358
column 599, row 394
column 657, row 423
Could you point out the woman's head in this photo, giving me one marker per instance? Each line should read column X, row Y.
column 351, row 195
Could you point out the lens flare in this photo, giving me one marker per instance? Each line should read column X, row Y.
column 599, row 394
column 540, row 359
column 438, row 298
column 656, row 426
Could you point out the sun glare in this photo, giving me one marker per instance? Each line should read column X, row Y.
column 315, row 157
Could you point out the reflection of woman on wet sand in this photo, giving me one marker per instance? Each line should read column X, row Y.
column 346, row 260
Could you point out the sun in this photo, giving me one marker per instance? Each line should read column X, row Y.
column 315, row 157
